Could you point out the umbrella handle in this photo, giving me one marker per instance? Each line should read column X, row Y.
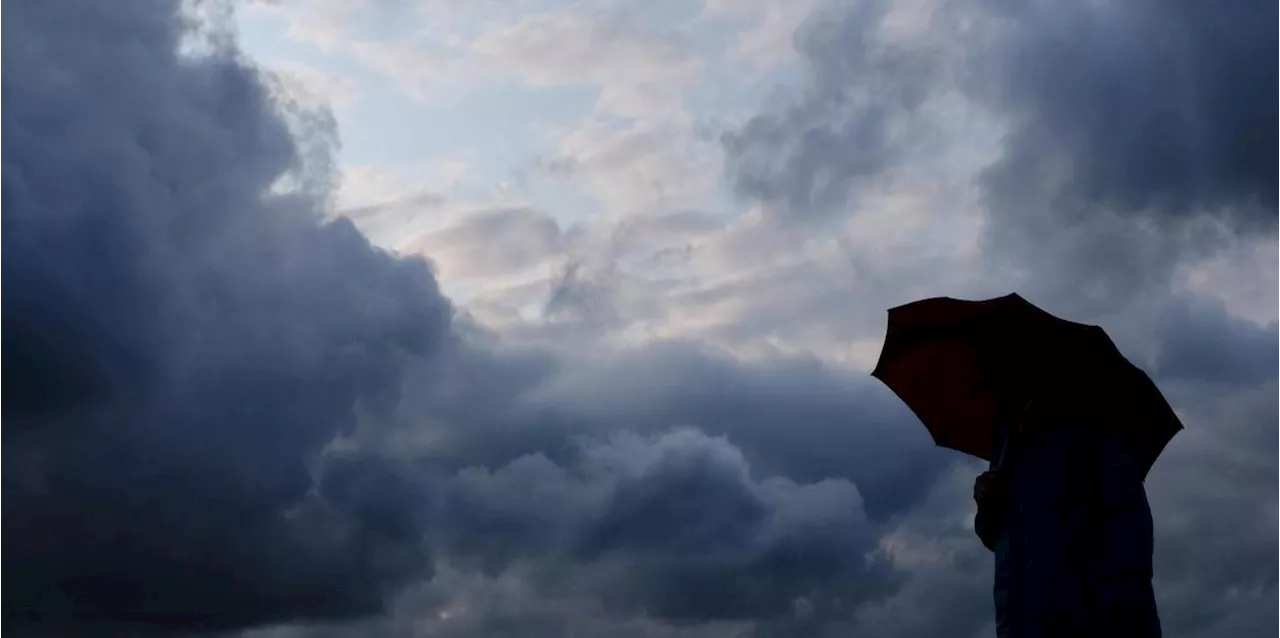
column 1004, row 445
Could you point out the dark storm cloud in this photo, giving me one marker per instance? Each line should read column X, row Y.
column 1148, row 106
column 179, row 344
column 1166, row 107
column 1137, row 135
column 1140, row 136
column 1203, row 342
column 581, row 299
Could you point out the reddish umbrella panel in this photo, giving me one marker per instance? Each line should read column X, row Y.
column 967, row 367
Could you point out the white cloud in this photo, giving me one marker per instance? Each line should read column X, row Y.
column 372, row 184
column 645, row 167
column 313, row 87
column 490, row 244
column 1243, row 276
column 322, row 23
column 422, row 74
column 638, row 73
column 766, row 40
column 745, row 285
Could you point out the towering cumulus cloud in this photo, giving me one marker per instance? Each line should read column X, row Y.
column 179, row 342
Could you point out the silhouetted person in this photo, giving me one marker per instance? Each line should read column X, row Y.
column 1066, row 515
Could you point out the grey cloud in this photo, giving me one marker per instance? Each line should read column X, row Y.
column 673, row 534
column 493, row 242
column 179, row 343
column 1139, row 138
column 423, row 200
column 854, row 122
column 1214, row 501
column 581, row 297
column 1139, row 106
column 1203, row 342
column 1136, row 134
column 1168, row 107
column 486, row 406
column 564, row 471
column 669, row 226
column 949, row 588
column 464, row 604
column 676, row 525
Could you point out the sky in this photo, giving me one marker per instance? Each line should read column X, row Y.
column 530, row 318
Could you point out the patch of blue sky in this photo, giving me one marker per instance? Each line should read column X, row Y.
column 660, row 16
column 566, row 204
column 731, row 92
column 496, row 127
column 499, row 128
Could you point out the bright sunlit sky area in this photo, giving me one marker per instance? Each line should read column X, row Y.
column 590, row 135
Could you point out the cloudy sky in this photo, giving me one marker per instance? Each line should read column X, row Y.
column 531, row 318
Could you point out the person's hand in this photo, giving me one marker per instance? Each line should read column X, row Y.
column 983, row 485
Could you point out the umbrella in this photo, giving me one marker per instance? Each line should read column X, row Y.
column 966, row 367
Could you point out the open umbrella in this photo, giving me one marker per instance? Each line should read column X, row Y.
column 964, row 367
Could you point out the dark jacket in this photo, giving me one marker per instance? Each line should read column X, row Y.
column 1071, row 530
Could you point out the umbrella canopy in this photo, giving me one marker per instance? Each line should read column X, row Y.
column 966, row 367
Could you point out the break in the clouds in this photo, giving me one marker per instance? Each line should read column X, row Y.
column 638, row 72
